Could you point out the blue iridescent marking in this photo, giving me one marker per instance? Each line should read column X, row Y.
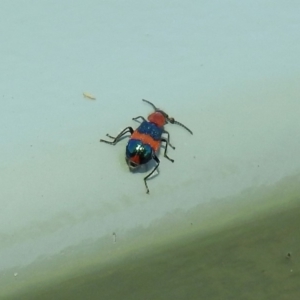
column 150, row 129
column 136, row 147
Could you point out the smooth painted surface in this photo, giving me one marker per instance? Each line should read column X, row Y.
column 251, row 251
column 228, row 70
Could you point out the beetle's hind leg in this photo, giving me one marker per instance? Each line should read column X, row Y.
column 118, row 137
column 155, row 168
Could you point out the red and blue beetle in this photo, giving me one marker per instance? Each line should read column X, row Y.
column 145, row 141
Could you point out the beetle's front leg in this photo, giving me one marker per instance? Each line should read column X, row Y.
column 139, row 117
column 165, row 152
column 168, row 140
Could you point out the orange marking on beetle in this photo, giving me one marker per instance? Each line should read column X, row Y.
column 135, row 159
column 146, row 139
column 157, row 118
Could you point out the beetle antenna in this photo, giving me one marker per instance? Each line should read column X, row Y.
column 154, row 107
column 172, row 121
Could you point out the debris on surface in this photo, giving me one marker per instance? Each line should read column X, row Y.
column 89, row 96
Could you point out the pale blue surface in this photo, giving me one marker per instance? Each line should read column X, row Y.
column 228, row 70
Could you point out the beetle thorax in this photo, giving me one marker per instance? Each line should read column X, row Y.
column 157, row 118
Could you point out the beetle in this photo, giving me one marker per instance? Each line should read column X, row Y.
column 145, row 141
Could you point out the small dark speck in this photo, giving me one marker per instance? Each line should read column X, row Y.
column 114, row 237
column 194, row 157
column 30, row 145
column 191, row 223
column 258, row 166
column 288, row 255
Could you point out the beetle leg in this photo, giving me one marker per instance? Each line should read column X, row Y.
column 158, row 162
column 165, row 152
column 139, row 117
column 117, row 138
column 168, row 134
column 111, row 137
